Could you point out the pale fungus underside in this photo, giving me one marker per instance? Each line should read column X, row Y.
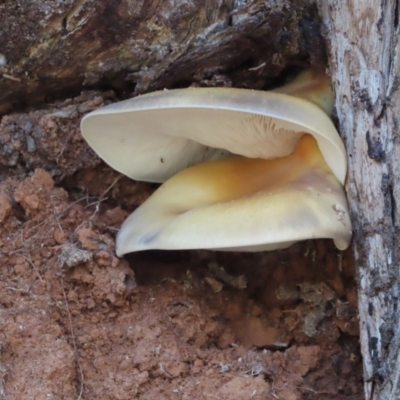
column 243, row 170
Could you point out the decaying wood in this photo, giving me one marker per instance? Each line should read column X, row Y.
column 54, row 48
column 364, row 60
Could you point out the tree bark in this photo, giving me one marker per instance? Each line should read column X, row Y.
column 363, row 55
column 53, row 48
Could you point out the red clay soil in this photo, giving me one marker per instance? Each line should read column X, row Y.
column 76, row 322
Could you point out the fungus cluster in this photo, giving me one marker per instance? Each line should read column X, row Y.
column 242, row 170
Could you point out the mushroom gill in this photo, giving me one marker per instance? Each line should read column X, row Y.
column 244, row 170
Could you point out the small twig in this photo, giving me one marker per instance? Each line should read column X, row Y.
column 64, row 146
column 273, row 392
column 73, row 339
column 340, row 261
column 314, row 391
column 25, row 291
column 111, row 186
column 11, row 78
column 166, row 373
column 258, row 67
column 55, row 215
column 31, row 263
column 102, row 198
column 59, row 214
column 254, row 371
column 96, row 203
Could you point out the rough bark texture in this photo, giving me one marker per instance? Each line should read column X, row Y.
column 73, row 323
column 54, row 48
column 363, row 54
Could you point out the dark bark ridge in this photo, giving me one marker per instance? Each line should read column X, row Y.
column 363, row 54
column 49, row 49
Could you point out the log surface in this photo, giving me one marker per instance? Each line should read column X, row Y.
column 54, row 48
column 363, row 52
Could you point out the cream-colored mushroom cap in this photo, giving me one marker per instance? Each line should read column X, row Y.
column 152, row 137
column 243, row 170
column 244, row 205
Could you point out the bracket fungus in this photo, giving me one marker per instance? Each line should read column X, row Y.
column 244, row 170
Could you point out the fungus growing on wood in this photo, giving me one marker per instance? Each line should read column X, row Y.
column 244, row 170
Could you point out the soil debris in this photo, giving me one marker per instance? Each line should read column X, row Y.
column 78, row 322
